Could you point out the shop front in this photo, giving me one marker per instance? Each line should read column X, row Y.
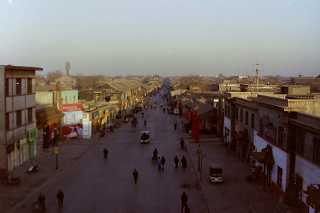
column 49, row 122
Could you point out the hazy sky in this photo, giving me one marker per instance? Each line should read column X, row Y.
column 165, row 37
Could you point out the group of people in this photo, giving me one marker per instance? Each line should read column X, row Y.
column 42, row 199
column 183, row 162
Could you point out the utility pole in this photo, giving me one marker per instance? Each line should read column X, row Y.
column 257, row 71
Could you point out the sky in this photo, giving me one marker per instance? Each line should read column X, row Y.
column 164, row 37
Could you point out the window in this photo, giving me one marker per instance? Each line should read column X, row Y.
column 18, row 118
column 7, row 86
column 280, row 136
column 74, row 99
column 279, row 178
column 252, row 120
column 247, row 118
column 30, row 115
column 7, row 121
column 65, row 100
column 18, row 86
column 316, row 150
column 241, row 115
column 300, row 142
column 261, row 128
column 29, row 88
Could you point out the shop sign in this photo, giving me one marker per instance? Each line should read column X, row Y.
column 71, row 107
column 100, row 113
column 33, row 134
column 10, row 148
column 95, row 115
column 23, row 141
column 270, row 133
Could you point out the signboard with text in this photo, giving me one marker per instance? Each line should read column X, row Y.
column 270, row 133
column 71, row 107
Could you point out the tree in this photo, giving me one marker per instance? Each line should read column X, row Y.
column 190, row 82
column 51, row 76
column 68, row 67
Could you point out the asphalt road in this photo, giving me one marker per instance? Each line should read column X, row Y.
column 94, row 184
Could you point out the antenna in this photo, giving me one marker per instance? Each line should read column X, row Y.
column 257, row 71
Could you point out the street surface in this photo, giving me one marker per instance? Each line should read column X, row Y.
column 93, row 184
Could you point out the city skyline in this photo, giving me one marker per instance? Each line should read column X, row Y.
column 165, row 38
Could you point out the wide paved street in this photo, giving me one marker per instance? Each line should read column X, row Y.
column 93, row 184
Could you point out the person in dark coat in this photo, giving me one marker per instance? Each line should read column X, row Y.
column 60, row 197
column 184, row 200
column 184, row 162
column 135, row 176
column 163, row 161
column 176, row 162
column 41, row 201
column 175, row 126
column 182, row 143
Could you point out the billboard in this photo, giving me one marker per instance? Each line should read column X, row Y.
column 73, row 113
column 72, row 131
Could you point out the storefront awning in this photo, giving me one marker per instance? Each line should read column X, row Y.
column 44, row 116
column 265, row 156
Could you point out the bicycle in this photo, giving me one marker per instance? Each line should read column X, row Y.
column 228, row 152
column 37, row 207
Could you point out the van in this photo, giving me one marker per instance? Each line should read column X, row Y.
column 215, row 172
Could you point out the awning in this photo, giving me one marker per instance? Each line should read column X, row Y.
column 48, row 114
column 265, row 156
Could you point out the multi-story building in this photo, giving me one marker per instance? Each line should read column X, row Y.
column 17, row 108
column 282, row 138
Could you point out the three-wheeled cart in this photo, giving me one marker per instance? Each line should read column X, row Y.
column 145, row 137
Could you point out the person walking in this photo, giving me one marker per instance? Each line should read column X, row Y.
column 159, row 163
column 184, row 200
column 135, row 176
column 184, row 162
column 41, row 201
column 60, row 197
column 176, row 162
column 105, row 153
column 175, row 125
column 163, row 161
column 182, row 143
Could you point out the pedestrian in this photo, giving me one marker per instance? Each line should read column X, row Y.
column 176, row 162
column 41, row 201
column 184, row 200
column 135, row 176
column 60, row 197
column 184, row 162
column 163, row 161
column 182, row 143
column 159, row 163
column 175, row 125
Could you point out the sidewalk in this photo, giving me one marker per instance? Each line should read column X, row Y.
column 264, row 201
column 10, row 196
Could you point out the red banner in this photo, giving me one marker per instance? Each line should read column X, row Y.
column 71, row 107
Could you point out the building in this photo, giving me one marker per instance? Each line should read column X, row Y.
column 279, row 135
column 18, row 107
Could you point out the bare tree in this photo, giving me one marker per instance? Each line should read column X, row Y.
column 68, row 67
column 189, row 82
column 51, row 76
